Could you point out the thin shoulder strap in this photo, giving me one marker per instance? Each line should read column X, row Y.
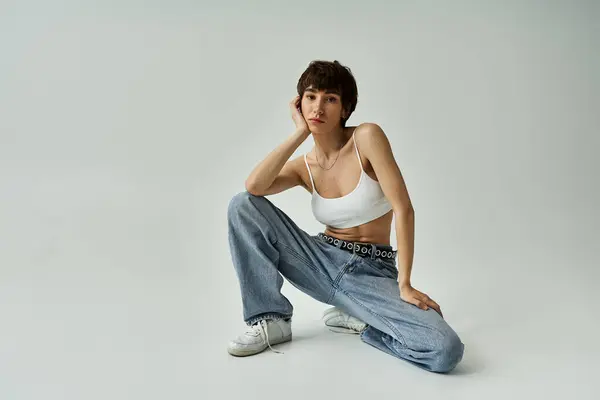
column 312, row 182
column 356, row 148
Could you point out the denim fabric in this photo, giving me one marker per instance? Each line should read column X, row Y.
column 266, row 246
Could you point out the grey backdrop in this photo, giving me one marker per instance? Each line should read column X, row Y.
column 126, row 127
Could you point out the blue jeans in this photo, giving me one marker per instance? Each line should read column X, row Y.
column 266, row 245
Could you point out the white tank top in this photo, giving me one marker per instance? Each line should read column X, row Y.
column 365, row 203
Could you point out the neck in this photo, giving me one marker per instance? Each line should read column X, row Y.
column 330, row 143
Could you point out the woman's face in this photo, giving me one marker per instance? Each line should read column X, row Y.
column 321, row 109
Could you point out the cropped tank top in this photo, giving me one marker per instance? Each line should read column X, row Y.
column 363, row 204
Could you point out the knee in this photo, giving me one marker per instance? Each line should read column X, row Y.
column 243, row 203
column 239, row 202
column 448, row 350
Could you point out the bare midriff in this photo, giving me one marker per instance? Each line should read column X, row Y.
column 377, row 231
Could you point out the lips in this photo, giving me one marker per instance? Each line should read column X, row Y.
column 316, row 120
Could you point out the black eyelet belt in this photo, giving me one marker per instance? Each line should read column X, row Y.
column 360, row 248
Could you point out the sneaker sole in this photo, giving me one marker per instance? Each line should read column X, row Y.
column 338, row 329
column 241, row 352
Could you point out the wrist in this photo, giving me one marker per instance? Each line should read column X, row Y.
column 302, row 132
column 404, row 285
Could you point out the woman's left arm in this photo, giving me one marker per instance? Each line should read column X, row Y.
column 375, row 146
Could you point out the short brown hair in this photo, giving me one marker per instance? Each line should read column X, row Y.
column 327, row 75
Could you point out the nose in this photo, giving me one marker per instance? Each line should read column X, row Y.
column 319, row 108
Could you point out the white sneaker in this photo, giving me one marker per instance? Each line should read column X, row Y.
column 339, row 321
column 260, row 336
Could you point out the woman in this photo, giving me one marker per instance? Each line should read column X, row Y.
column 356, row 189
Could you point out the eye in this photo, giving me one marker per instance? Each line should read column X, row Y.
column 332, row 99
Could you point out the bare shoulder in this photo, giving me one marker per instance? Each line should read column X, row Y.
column 371, row 139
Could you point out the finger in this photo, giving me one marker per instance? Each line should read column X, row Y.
column 420, row 304
column 431, row 302
column 295, row 104
column 438, row 309
column 435, row 306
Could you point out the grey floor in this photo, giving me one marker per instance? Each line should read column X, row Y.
column 125, row 130
column 105, row 304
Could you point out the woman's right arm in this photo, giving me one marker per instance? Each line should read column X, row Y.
column 275, row 173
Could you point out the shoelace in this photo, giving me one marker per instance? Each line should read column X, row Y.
column 262, row 327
